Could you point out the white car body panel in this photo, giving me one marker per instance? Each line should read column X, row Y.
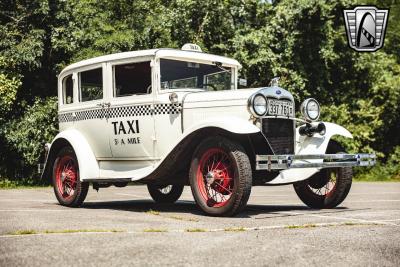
column 88, row 164
column 210, row 109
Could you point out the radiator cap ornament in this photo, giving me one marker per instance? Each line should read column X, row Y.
column 274, row 82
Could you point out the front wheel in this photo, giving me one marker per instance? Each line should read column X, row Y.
column 165, row 193
column 220, row 177
column 68, row 188
column 327, row 188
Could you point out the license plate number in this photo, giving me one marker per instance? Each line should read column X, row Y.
column 280, row 108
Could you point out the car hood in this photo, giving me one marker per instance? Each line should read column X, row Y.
column 217, row 98
column 203, row 99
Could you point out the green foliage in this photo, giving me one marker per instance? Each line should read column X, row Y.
column 383, row 172
column 302, row 41
column 22, row 183
column 8, row 91
column 354, row 117
column 28, row 133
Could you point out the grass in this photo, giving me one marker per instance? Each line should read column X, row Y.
column 67, row 231
column 24, row 232
column 153, row 230
column 195, row 230
column 373, row 180
column 301, row 226
column 180, row 218
column 71, row 231
column 175, row 217
column 360, row 224
column 153, row 212
column 351, row 223
column 304, row 226
column 235, row 229
column 389, row 172
column 21, row 184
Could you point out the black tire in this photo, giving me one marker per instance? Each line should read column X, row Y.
column 74, row 194
column 314, row 191
column 234, row 191
column 166, row 193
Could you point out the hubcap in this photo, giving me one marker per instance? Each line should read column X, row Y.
column 165, row 190
column 215, row 177
column 210, row 178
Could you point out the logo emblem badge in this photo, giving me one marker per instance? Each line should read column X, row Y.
column 365, row 27
column 278, row 92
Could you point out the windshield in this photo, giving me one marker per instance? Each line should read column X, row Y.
column 177, row 74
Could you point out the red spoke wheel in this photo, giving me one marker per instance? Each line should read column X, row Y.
column 165, row 193
column 215, row 177
column 68, row 188
column 220, row 177
column 327, row 188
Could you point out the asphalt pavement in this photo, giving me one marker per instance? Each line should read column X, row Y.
column 123, row 226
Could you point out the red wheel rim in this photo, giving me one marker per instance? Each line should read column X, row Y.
column 329, row 188
column 66, row 176
column 215, row 177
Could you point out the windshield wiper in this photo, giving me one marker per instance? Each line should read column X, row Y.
column 219, row 65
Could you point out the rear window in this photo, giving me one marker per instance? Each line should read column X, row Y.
column 68, row 90
column 91, row 84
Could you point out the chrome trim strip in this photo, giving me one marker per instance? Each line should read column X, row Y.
column 278, row 162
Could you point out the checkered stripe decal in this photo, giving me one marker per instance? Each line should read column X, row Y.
column 66, row 117
column 131, row 111
column 89, row 114
column 119, row 112
column 165, row 109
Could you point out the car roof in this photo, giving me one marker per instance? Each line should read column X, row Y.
column 161, row 52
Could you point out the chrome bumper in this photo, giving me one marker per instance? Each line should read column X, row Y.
column 280, row 162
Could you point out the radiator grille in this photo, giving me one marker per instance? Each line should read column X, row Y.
column 280, row 135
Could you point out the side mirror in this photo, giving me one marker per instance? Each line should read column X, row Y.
column 242, row 82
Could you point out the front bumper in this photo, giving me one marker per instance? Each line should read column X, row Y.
column 281, row 162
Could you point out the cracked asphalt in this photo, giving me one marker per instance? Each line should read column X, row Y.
column 122, row 226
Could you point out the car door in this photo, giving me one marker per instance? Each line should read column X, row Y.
column 130, row 114
column 87, row 114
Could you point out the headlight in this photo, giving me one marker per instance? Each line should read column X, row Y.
column 258, row 105
column 310, row 109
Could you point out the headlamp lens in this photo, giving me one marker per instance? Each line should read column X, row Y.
column 259, row 105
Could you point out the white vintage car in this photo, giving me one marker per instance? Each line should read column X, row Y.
column 169, row 118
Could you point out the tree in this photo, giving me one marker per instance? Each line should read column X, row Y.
column 302, row 41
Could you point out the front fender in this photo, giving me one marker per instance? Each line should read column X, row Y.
column 317, row 144
column 231, row 124
column 305, row 145
column 88, row 165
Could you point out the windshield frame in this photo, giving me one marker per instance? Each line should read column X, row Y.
column 193, row 59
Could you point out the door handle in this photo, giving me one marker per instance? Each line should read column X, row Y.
column 103, row 105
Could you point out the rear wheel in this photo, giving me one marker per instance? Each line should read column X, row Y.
column 220, row 177
column 165, row 193
column 327, row 188
column 68, row 188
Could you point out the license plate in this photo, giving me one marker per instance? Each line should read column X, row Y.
column 280, row 108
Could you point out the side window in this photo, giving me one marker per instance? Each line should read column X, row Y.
column 91, row 84
column 132, row 79
column 67, row 90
